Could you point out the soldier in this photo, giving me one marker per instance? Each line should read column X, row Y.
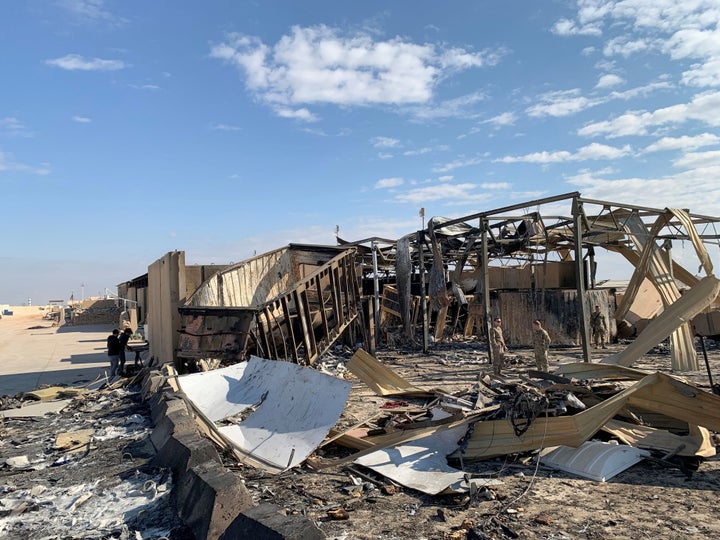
column 497, row 342
column 598, row 325
column 541, row 343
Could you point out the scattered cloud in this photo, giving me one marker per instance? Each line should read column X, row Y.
column 561, row 103
column 81, row 119
column 437, row 193
column 145, row 86
column 13, row 127
column 446, row 178
column 684, row 142
column 386, row 183
column 320, row 64
column 385, row 142
column 296, row 114
column 75, row 62
column 590, row 152
column 385, row 155
column 496, row 185
column 502, row 120
column 88, row 10
column 681, row 30
column 8, row 165
column 699, row 160
column 609, row 80
column 704, row 108
column 457, row 164
column 460, row 107
column 226, row 127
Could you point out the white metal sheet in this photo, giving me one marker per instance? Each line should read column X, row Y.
column 421, row 464
column 299, row 407
column 595, row 460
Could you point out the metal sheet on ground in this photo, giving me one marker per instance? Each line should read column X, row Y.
column 290, row 409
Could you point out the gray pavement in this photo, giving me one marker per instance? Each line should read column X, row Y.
column 33, row 353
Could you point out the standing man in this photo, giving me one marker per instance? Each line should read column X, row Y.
column 541, row 344
column 598, row 325
column 113, row 350
column 497, row 342
column 124, row 338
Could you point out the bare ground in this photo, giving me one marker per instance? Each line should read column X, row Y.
column 646, row 501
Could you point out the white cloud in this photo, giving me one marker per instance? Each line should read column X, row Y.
column 683, row 143
column 592, row 151
column 7, row 164
column 697, row 189
column 503, row 119
column 320, row 64
column 446, row 178
column 460, row 107
column 680, row 29
column 75, row 62
column 385, row 142
column 699, row 160
column 13, row 127
column 92, row 10
column 496, row 185
column 457, row 164
column 609, row 80
column 566, row 27
column 703, row 108
column 297, row 114
column 386, row 183
column 226, row 127
column 145, row 86
column 82, row 119
column 385, row 155
column 560, row 103
column 437, row 192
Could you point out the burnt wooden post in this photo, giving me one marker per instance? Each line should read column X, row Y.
column 580, row 276
column 376, row 292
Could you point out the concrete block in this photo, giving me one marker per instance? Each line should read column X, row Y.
column 184, row 451
column 173, row 423
column 151, row 385
column 208, row 498
column 162, row 407
column 265, row 521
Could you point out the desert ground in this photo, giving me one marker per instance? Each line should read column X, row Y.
column 648, row 500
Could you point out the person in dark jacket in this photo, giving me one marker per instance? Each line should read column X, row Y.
column 113, row 350
column 124, row 338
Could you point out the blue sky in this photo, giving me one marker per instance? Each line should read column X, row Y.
column 227, row 128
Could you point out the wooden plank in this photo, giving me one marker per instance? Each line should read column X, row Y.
column 382, row 380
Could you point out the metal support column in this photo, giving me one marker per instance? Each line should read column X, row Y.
column 376, row 290
column 485, row 276
column 577, row 213
column 423, row 295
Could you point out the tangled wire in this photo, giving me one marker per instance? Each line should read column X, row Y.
column 525, row 407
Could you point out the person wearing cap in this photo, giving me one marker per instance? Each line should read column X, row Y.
column 541, row 344
column 497, row 342
column 598, row 325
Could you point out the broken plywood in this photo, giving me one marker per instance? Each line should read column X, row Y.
column 675, row 315
column 381, row 379
column 657, row 392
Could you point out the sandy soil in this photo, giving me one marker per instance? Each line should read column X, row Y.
column 646, row 501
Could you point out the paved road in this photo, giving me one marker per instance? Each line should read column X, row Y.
column 31, row 356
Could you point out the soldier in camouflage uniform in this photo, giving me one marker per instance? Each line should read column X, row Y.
column 497, row 342
column 598, row 325
column 541, row 343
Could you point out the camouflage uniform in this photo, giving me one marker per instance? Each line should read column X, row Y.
column 497, row 342
column 541, row 343
column 598, row 325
